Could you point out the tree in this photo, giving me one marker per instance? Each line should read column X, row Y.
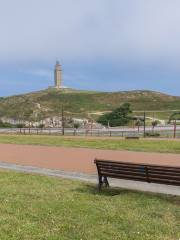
column 5, row 124
column 118, row 117
column 20, row 126
column 41, row 125
column 174, row 116
column 76, row 125
column 138, row 123
column 154, row 123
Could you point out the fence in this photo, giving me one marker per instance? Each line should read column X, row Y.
column 165, row 132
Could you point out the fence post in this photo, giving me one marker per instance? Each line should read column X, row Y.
column 144, row 124
column 175, row 129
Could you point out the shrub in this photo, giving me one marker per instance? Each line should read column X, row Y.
column 118, row 117
column 5, row 125
column 152, row 134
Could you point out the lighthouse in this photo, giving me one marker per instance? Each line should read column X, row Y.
column 57, row 75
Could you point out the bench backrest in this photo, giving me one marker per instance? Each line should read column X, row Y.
column 139, row 172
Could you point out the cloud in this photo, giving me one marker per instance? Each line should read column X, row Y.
column 102, row 44
column 129, row 31
column 40, row 72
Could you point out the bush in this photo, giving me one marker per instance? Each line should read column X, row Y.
column 152, row 134
column 20, row 125
column 41, row 126
column 77, row 125
column 5, row 125
column 118, row 117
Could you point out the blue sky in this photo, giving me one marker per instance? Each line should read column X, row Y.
column 102, row 45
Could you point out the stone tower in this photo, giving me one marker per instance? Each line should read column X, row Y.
column 57, row 75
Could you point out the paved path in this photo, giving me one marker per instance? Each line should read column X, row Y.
column 79, row 161
column 76, row 159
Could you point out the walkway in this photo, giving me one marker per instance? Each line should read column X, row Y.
column 78, row 162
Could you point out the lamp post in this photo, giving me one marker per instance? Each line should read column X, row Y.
column 62, row 117
column 174, row 128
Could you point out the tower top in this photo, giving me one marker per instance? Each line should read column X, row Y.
column 58, row 66
column 57, row 63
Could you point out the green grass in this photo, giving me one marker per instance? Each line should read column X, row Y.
column 161, row 114
column 166, row 146
column 36, row 207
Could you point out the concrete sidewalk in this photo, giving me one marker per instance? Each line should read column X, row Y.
column 133, row 185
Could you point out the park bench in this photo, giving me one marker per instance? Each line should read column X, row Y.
column 132, row 137
column 136, row 172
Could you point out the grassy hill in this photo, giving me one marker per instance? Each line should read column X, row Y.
column 48, row 102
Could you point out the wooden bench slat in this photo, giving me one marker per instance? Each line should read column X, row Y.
column 121, row 167
column 151, row 175
column 164, row 170
column 139, row 173
column 125, row 171
column 121, row 176
column 96, row 161
column 143, row 179
column 164, row 181
column 165, row 174
column 141, row 169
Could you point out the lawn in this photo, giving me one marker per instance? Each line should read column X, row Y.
column 46, row 208
column 166, row 146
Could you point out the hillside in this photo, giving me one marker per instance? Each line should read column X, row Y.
column 48, row 102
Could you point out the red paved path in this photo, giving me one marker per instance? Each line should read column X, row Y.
column 76, row 159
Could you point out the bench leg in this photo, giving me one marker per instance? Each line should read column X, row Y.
column 100, row 183
column 102, row 180
column 105, row 181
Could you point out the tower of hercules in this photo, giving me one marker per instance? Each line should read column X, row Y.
column 58, row 76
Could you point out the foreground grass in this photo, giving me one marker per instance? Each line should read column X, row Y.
column 36, row 207
column 166, row 146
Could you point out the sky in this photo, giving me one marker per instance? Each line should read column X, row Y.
column 105, row 45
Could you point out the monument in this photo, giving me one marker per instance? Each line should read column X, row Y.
column 58, row 76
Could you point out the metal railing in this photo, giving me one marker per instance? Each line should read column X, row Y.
column 164, row 132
